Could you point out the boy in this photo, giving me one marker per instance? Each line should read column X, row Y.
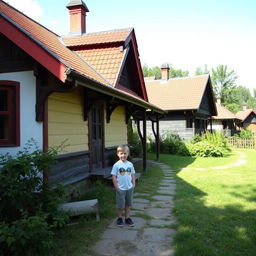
column 123, row 177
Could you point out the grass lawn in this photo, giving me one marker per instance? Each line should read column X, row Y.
column 215, row 208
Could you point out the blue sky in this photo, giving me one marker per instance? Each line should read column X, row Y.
column 185, row 33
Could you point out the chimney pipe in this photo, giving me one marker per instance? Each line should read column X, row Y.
column 244, row 106
column 218, row 100
column 77, row 17
column 165, row 71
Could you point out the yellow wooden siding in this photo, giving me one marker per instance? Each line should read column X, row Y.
column 116, row 130
column 65, row 122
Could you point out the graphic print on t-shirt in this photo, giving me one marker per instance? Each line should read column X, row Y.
column 122, row 171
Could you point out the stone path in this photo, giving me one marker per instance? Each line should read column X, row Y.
column 151, row 236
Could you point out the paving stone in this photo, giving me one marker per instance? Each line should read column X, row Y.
column 158, row 234
column 161, row 223
column 164, row 191
column 158, row 213
column 136, row 194
column 162, row 204
column 153, row 249
column 140, row 200
column 139, row 206
column 163, row 198
column 120, row 234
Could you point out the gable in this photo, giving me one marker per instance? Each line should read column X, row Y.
column 251, row 119
column 129, row 78
column 207, row 105
column 12, row 57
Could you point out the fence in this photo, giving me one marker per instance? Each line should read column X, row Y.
column 242, row 143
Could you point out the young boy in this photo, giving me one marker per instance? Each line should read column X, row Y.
column 123, row 177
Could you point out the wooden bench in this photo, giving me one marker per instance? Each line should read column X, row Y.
column 81, row 207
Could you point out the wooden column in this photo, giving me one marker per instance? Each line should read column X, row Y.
column 156, row 135
column 144, row 145
column 143, row 138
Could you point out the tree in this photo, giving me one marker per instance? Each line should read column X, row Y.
column 202, row 71
column 223, row 80
column 156, row 72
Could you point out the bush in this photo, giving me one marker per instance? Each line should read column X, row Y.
column 209, row 145
column 29, row 207
column 244, row 134
column 170, row 144
column 205, row 149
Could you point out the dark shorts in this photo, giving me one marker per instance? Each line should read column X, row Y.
column 123, row 198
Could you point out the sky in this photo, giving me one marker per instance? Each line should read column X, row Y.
column 186, row 33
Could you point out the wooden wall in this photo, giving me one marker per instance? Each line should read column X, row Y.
column 65, row 122
column 116, row 130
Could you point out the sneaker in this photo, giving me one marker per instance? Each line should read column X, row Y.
column 129, row 222
column 119, row 222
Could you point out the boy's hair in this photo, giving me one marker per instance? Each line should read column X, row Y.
column 122, row 148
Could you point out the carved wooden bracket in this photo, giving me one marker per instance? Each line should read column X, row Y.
column 88, row 103
column 42, row 93
column 109, row 109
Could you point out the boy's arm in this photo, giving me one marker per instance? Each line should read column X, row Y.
column 114, row 180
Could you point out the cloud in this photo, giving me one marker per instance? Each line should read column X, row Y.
column 29, row 7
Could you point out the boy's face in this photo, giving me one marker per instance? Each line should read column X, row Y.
column 123, row 155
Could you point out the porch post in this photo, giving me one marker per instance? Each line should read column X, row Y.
column 157, row 138
column 144, row 141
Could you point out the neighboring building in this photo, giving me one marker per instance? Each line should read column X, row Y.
column 224, row 121
column 246, row 119
column 79, row 90
column 189, row 102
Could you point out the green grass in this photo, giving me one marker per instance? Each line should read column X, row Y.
column 75, row 240
column 215, row 209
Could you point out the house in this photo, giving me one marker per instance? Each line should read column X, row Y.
column 246, row 119
column 79, row 90
column 189, row 102
column 224, row 121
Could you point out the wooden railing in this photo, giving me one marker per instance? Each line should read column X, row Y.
column 242, row 143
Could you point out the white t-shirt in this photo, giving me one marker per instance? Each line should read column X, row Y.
column 123, row 171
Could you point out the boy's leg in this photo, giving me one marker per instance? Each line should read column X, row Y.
column 128, row 204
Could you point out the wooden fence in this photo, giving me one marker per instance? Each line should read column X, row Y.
column 242, row 143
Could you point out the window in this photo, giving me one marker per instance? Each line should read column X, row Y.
column 9, row 113
column 189, row 123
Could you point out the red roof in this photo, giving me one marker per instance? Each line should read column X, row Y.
column 51, row 42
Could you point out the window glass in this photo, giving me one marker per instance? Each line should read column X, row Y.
column 3, row 100
column 3, row 127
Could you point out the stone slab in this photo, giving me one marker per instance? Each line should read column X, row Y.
column 162, row 204
column 140, row 200
column 139, row 206
column 158, row 234
column 164, row 191
column 163, row 198
column 120, row 234
column 158, row 213
column 161, row 223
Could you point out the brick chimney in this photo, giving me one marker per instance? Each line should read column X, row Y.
column 165, row 71
column 218, row 99
column 77, row 17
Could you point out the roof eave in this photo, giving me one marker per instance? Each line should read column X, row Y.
column 111, row 91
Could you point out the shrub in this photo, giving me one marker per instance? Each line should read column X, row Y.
column 216, row 138
column 29, row 207
column 205, row 149
column 170, row 144
column 244, row 134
